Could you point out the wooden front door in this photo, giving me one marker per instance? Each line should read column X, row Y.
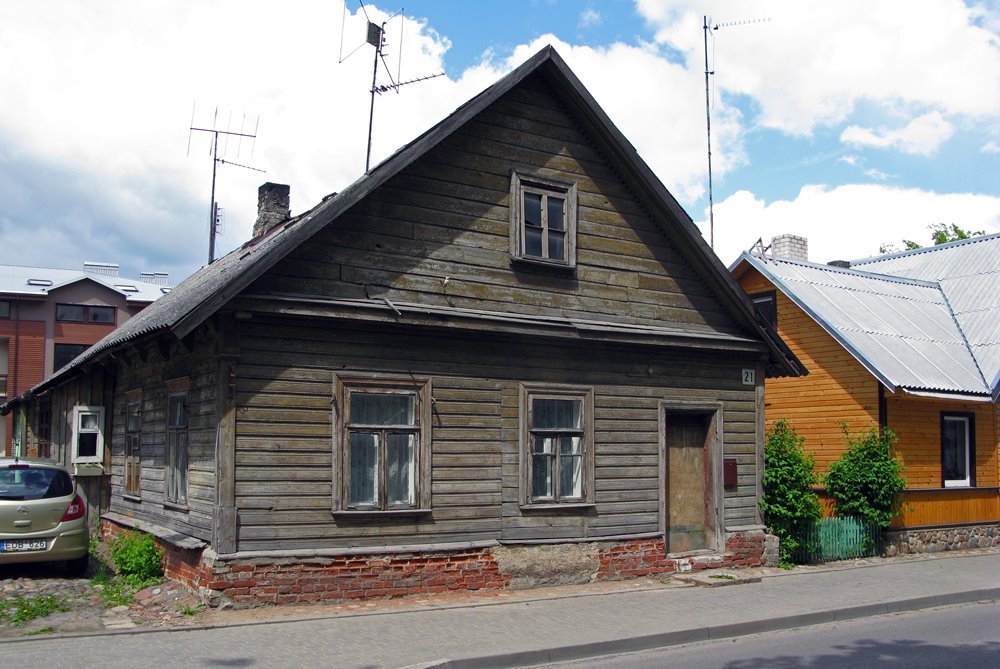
column 688, row 478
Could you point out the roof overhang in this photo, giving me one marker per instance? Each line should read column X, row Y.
column 943, row 395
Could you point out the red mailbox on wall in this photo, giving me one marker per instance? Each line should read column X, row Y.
column 729, row 472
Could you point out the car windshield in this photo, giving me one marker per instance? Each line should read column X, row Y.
column 25, row 483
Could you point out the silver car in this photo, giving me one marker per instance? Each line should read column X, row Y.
column 42, row 516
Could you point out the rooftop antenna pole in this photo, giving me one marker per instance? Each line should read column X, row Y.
column 708, row 128
column 708, row 115
column 376, row 37
column 213, row 212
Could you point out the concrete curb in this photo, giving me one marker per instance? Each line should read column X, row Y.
column 676, row 638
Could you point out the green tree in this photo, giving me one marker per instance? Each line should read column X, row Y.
column 867, row 479
column 941, row 233
column 790, row 505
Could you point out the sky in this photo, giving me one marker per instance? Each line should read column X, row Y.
column 856, row 124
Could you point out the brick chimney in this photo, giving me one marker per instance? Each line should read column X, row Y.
column 790, row 247
column 272, row 207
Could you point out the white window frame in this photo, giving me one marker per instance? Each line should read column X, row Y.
column 78, row 412
column 967, row 421
column 528, row 393
column 420, row 390
column 521, row 183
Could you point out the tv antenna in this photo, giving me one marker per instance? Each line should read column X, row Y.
column 213, row 214
column 706, row 21
column 376, row 37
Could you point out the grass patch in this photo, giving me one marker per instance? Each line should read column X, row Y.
column 188, row 610
column 22, row 610
column 723, row 577
column 138, row 563
column 44, row 630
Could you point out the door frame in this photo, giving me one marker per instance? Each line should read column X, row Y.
column 714, row 523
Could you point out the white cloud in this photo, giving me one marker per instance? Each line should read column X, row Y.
column 812, row 63
column 589, row 17
column 921, row 136
column 850, row 159
column 990, row 147
column 674, row 144
column 112, row 113
column 876, row 174
column 847, row 222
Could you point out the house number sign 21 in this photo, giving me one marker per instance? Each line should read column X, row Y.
column 749, row 377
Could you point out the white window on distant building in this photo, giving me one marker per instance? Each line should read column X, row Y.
column 88, row 434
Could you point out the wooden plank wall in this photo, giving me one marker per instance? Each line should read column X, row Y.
column 438, row 233
column 917, row 423
column 838, row 390
column 151, row 377
column 284, row 478
column 929, row 508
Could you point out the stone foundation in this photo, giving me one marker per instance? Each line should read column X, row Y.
column 249, row 580
column 939, row 540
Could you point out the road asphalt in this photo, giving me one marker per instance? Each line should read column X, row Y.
column 572, row 623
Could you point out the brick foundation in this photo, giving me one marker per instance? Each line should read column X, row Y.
column 257, row 581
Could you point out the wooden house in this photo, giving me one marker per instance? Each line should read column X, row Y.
column 503, row 357
column 907, row 341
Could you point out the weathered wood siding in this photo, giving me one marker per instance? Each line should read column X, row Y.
column 151, row 376
column 438, row 233
column 838, row 390
column 284, row 477
column 95, row 388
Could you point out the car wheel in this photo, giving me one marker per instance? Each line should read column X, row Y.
column 78, row 567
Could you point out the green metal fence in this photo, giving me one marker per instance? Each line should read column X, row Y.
column 840, row 538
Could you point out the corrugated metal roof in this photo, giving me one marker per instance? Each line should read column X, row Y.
column 903, row 330
column 28, row 281
column 968, row 274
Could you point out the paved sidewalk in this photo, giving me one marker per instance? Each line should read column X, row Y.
column 536, row 631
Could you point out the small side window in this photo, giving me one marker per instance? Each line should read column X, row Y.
column 766, row 305
column 88, row 434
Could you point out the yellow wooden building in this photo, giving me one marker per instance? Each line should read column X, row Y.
column 910, row 341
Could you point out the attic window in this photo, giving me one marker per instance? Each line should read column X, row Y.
column 127, row 289
column 39, row 282
column 542, row 220
column 767, row 306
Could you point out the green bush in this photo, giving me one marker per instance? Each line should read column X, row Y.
column 790, row 505
column 137, row 558
column 867, row 479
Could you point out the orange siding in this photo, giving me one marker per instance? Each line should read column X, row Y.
column 838, row 390
column 948, row 507
column 917, row 422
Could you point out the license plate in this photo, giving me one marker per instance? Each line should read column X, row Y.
column 22, row 545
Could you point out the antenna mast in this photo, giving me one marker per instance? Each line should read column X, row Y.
column 708, row 116
column 376, row 37
column 708, row 128
column 213, row 213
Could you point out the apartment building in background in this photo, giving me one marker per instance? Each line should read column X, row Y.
column 49, row 316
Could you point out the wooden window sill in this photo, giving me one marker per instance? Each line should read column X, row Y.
column 379, row 513
column 558, row 506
